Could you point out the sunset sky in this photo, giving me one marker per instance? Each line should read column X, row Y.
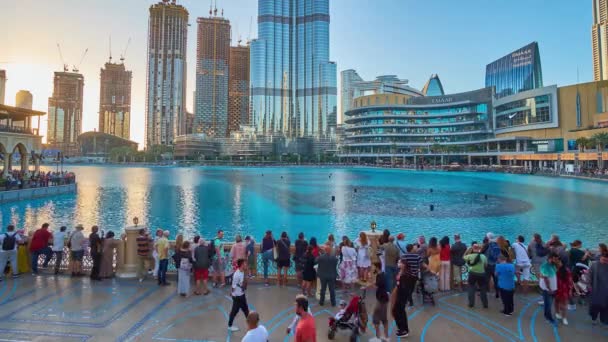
column 409, row 38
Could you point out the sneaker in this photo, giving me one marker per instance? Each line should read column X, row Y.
column 541, row 302
column 402, row 334
column 141, row 280
column 375, row 339
column 594, row 321
column 233, row 329
column 558, row 316
column 15, row 276
column 571, row 307
column 565, row 321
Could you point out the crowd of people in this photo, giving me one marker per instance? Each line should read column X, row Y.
column 16, row 179
column 567, row 275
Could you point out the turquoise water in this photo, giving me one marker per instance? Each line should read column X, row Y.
column 252, row 200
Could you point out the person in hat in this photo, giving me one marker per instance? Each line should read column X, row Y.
column 76, row 245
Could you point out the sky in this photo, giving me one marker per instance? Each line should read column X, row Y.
column 408, row 38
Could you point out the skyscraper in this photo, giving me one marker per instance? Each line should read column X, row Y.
column 433, row 86
column 599, row 40
column 166, row 74
column 65, row 111
column 238, row 88
column 115, row 100
column 2, row 85
column 293, row 82
column 212, row 73
column 516, row 72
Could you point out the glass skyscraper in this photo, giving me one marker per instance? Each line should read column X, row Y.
column 293, row 83
column 516, row 72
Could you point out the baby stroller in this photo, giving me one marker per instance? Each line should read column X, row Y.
column 428, row 286
column 352, row 317
column 580, row 277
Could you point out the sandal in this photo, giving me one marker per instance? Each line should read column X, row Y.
column 196, row 293
column 206, row 293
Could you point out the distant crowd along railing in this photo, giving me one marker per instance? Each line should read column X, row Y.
column 258, row 272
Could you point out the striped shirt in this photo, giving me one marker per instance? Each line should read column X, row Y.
column 143, row 245
column 413, row 261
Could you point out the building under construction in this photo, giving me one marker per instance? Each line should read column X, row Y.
column 238, row 88
column 65, row 112
column 115, row 100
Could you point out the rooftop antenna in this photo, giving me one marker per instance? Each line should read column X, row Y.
column 124, row 52
column 249, row 36
column 211, row 8
column 110, row 48
column 215, row 9
column 65, row 66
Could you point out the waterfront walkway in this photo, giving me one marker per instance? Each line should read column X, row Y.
column 49, row 308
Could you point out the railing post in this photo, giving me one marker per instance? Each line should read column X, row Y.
column 129, row 266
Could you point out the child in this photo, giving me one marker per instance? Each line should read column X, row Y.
column 505, row 272
column 381, row 308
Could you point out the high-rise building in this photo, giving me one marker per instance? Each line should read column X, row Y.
column 433, row 86
column 516, row 72
column 24, row 99
column 65, row 111
column 2, row 85
column 354, row 86
column 238, row 88
column 166, row 74
column 293, row 82
column 599, row 40
column 212, row 73
column 115, row 100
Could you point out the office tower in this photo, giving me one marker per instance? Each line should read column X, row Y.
column 599, row 40
column 348, row 90
column 115, row 100
column 166, row 74
column 516, row 72
column 433, row 86
column 212, row 73
column 293, row 82
column 2, row 85
column 24, row 99
column 65, row 111
column 238, row 88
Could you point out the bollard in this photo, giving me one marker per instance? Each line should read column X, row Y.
column 432, row 207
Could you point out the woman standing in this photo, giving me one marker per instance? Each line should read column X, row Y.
column 348, row 266
column 405, row 286
column 107, row 256
column 444, row 257
column 315, row 246
column 267, row 253
column 238, row 251
column 433, row 255
column 331, row 243
column 184, row 257
column 298, row 258
column 283, row 261
column 309, row 275
column 363, row 258
column 23, row 255
column 564, row 291
column 179, row 240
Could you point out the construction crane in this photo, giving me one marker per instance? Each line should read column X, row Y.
column 65, row 66
column 124, row 52
column 249, row 36
column 77, row 67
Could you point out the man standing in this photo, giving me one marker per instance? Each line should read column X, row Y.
column 327, row 273
column 413, row 261
column 58, row 243
column 548, row 283
column 143, row 253
column 239, row 301
column 201, row 266
column 305, row 330
column 522, row 263
column 218, row 262
column 256, row 333
column 598, row 273
column 95, row 244
column 9, row 241
column 40, row 246
column 492, row 251
column 477, row 262
column 391, row 257
column 505, row 272
column 162, row 250
column 456, row 257
column 75, row 243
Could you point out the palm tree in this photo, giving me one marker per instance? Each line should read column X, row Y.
column 582, row 143
column 601, row 139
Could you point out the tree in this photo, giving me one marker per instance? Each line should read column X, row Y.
column 601, row 140
column 582, row 143
column 436, row 148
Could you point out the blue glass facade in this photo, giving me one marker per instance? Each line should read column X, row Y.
column 516, row 72
column 293, row 83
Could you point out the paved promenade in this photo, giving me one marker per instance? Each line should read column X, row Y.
column 48, row 308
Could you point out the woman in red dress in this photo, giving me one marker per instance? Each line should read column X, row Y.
column 563, row 293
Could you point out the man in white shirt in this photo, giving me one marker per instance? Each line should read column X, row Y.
column 239, row 301
column 58, row 243
column 76, row 242
column 8, row 250
column 522, row 263
column 256, row 333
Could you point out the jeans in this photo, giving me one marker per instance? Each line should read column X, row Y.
column 478, row 280
column 162, row 271
column 5, row 256
column 400, row 316
column 390, row 273
column 507, row 301
column 58, row 258
column 491, row 274
column 267, row 257
column 47, row 252
column 548, row 299
column 325, row 282
column 238, row 303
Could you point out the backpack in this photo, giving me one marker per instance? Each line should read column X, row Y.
column 541, row 250
column 185, row 264
column 493, row 253
column 8, row 244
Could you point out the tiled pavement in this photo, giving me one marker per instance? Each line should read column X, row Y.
column 49, row 308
